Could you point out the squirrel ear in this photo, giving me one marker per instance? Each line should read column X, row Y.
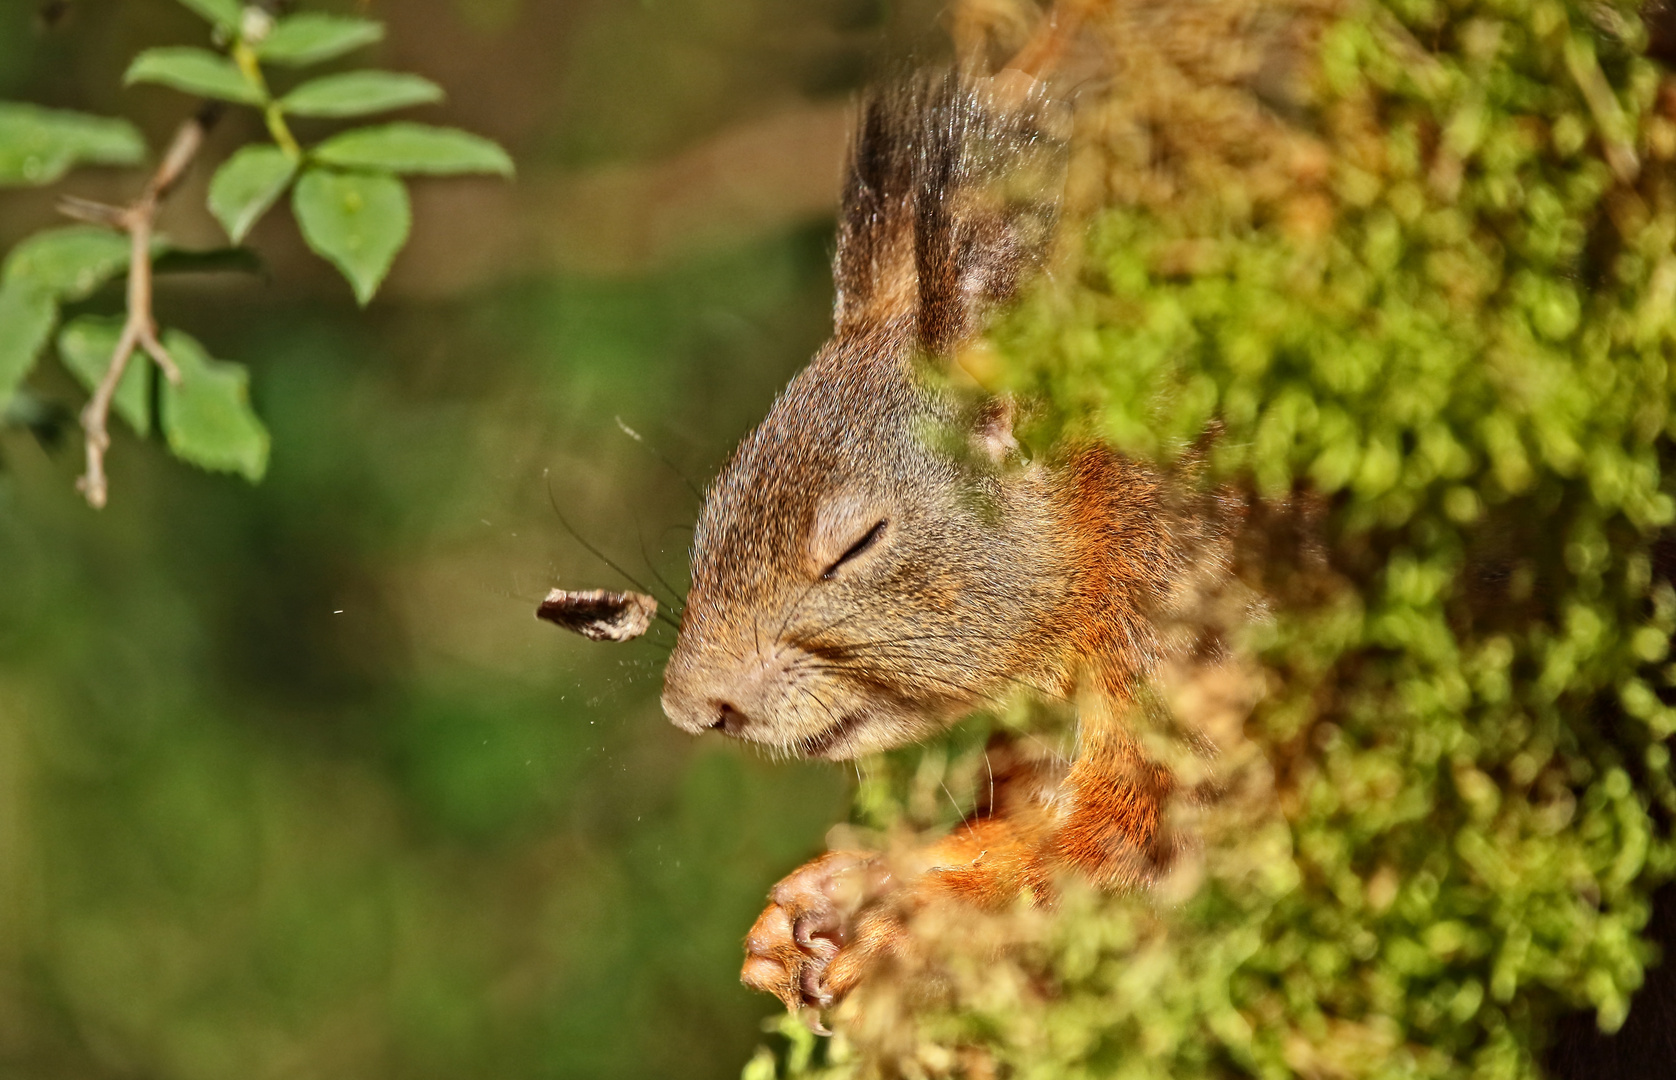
column 873, row 265
column 950, row 200
column 986, row 205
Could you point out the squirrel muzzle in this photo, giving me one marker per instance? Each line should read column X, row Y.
column 726, row 697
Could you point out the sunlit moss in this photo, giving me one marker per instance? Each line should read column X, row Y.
column 1431, row 284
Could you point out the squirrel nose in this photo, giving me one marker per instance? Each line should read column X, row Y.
column 698, row 712
column 709, row 690
column 728, row 719
column 719, row 716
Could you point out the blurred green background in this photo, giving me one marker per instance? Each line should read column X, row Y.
column 292, row 784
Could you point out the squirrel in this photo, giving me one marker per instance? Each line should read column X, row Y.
column 857, row 583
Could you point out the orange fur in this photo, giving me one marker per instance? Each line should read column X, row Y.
column 1103, row 819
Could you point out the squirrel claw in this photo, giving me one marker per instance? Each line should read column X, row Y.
column 812, row 1020
column 803, row 929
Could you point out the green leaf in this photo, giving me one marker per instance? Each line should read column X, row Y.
column 26, row 318
column 86, row 345
column 207, row 417
column 357, row 221
column 67, row 263
column 224, row 13
column 37, row 146
column 196, row 71
column 310, row 38
column 358, row 93
column 247, row 185
column 414, row 148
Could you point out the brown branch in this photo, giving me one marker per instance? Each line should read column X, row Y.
column 138, row 220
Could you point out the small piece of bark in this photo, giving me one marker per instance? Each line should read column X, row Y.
column 598, row 614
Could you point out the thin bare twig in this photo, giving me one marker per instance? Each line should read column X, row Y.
column 137, row 219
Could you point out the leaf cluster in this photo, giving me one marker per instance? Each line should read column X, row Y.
column 206, row 417
column 347, row 193
column 352, row 209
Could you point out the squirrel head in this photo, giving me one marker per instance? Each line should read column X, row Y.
column 855, row 582
column 854, row 585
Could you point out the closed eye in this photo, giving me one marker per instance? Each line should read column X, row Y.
column 870, row 538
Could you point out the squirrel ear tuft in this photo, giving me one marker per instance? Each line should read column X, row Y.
column 873, row 266
column 950, row 202
column 987, row 204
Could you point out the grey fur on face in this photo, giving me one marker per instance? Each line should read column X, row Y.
column 855, row 584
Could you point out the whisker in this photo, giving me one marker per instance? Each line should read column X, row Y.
column 958, row 811
column 805, row 635
column 806, row 692
column 863, row 656
column 779, row 634
column 962, row 637
column 677, row 601
column 965, row 691
column 595, row 552
column 808, row 741
column 1023, row 684
column 655, row 452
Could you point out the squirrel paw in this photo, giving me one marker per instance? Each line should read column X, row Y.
column 791, row 948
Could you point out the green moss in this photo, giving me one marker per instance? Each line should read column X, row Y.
column 1463, row 355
